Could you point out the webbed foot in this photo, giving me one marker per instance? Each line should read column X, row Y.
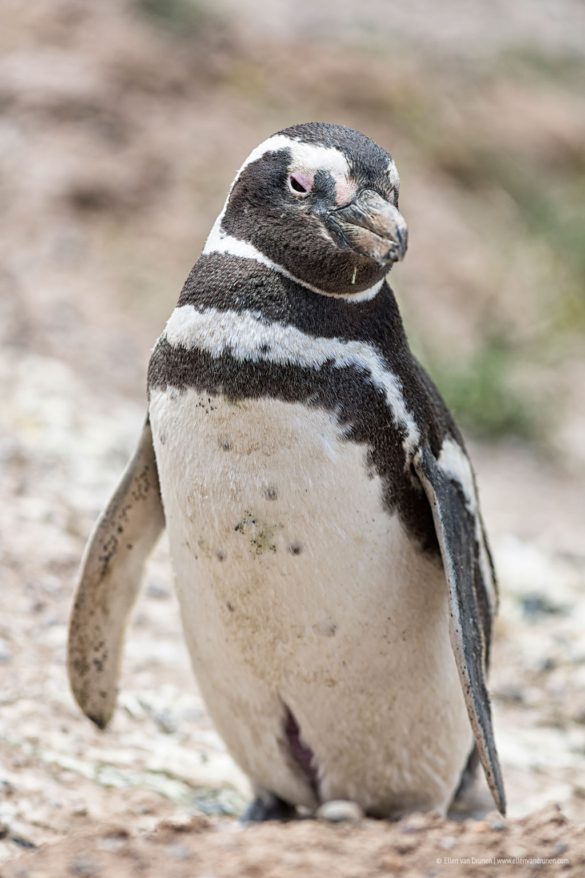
column 267, row 806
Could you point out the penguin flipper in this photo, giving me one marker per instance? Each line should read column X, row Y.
column 109, row 581
column 455, row 526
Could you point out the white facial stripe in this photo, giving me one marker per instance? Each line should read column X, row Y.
column 245, row 335
column 455, row 464
column 271, row 144
column 308, row 156
column 305, row 156
column 220, row 242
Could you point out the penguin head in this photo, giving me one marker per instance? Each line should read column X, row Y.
column 320, row 201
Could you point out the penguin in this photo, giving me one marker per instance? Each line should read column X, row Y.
column 336, row 586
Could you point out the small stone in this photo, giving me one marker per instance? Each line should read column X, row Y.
column 517, row 852
column 557, row 816
column 177, row 823
column 536, row 605
column 511, row 694
column 22, row 842
column 166, row 722
column 7, row 789
column 415, row 823
column 448, row 842
column 112, row 843
column 157, row 590
column 479, row 826
column 5, row 652
column 391, row 864
column 180, row 852
column 340, row 811
column 498, row 824
column 406, row 847
column 185, row 823
column 84, row 868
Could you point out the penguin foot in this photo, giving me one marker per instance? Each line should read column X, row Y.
column 267, row 806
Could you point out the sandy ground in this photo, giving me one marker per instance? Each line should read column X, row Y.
column 420, row 845
column 95, row 244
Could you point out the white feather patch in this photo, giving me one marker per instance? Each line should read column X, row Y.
column 248, row 338
column 308, row 156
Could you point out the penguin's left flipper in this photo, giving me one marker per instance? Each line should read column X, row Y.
column 109, row 581
column 469, row 595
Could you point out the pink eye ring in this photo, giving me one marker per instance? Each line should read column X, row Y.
column 300, row 184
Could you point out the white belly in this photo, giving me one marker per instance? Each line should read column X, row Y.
column 299, row 590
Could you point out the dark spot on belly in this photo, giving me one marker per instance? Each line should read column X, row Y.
column 327, row 628
column 271, row 493
column 220, row 555
column 225, row 444
column 295, row 548
column 246, row 522
column 162, row 438
column 230, row 606
column 265, row 348
column 262, row 535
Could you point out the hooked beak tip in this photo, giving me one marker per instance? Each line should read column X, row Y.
column 402, row 235
column 398, row 249
column 375, row 227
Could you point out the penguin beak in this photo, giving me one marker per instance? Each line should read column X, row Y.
column 374, row 227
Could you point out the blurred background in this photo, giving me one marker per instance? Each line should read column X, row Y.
column 121, row 126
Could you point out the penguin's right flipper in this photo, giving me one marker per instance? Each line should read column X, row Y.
column 109, row 581
column 456, row 530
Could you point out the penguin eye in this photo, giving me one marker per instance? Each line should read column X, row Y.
column 300, row 184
